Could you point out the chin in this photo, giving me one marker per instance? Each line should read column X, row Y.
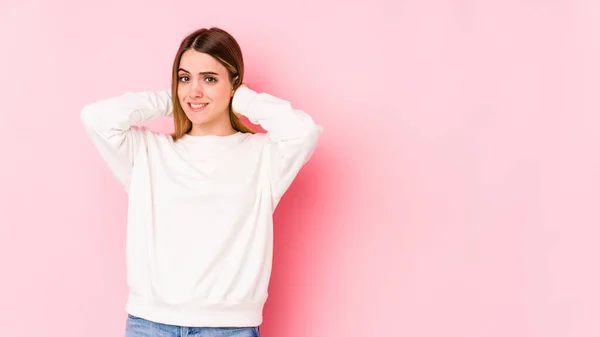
column 197, row 121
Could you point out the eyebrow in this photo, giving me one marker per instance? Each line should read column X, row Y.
column 201, row 73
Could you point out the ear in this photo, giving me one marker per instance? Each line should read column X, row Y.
column 235, row 82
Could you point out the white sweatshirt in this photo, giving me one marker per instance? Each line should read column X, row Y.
column 199, row 226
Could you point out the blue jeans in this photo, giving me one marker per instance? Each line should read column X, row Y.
column 139, row 327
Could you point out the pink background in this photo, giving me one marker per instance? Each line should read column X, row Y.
column 455, row 191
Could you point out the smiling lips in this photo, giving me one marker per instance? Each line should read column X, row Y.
column 197, row 107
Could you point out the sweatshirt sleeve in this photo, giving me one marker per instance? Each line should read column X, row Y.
column 110, row 124
column 292, row 135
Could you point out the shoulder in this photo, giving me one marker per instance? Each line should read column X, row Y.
column 256, row 137
column 257, row 140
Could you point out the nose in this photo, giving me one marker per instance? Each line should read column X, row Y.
column 196, row 89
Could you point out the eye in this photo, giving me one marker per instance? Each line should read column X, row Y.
column 210, row 79
column 183, row 78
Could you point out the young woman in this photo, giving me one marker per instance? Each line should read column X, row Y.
column 201, row 200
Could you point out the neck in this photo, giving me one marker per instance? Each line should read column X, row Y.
column 221, row 127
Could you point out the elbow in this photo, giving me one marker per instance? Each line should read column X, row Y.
column 313, row 134
column 87, row 115
column 313, row 137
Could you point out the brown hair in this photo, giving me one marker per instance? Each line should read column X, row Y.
column 225, row 49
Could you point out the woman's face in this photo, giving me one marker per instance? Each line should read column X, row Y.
column 204, row 89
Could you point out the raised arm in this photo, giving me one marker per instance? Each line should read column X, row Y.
column 110, row 124
column 292, row 134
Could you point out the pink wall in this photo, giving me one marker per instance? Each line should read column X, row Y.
column 455, row 191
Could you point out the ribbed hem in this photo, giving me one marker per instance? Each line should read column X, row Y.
column 199, row 314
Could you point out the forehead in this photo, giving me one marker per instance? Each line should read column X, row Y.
column 196, row 62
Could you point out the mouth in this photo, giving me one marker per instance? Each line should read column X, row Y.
column 197, row 107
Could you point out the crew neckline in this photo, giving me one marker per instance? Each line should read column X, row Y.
column 210, row 138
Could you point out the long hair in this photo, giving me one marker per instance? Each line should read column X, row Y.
column 225, row 49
